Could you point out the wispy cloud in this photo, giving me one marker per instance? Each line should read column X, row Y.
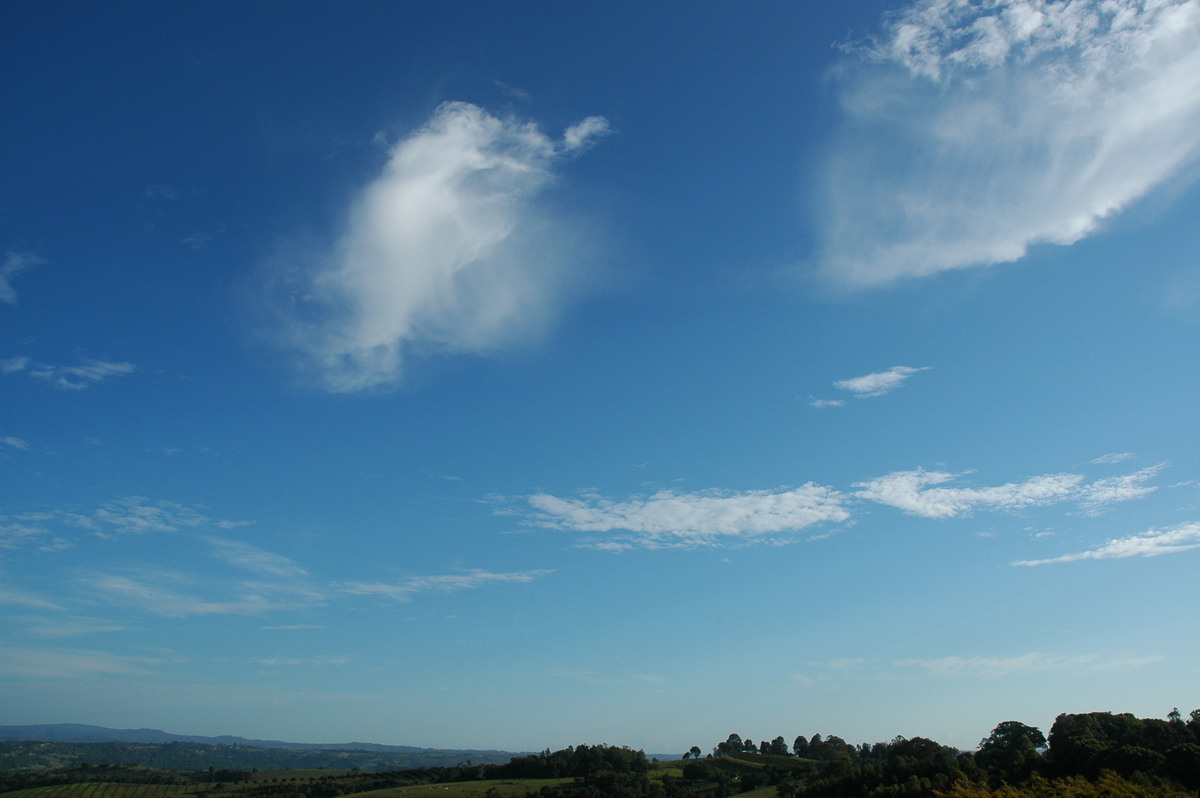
column 54, row 663
column 68, row 378
column 1114, row 457
column 251, row 558
column 975, row 130
column 176, row 595
column 669, row 519
column 324, row 661
column 878, row 383
column 983, row 667
column 133, row 515
column 14, row 264
column 12, row 365
column 18, row 533
column 12, row 442
column 73, row 627
column 1099, row 495
column 19, row 598
column 447, row 251
column 922, row 493
column 1153, row 543
column 405, row 589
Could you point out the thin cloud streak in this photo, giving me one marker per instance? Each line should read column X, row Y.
column 47, row 663
column 442, row 583
column 68, row 378
column 132, row 515
column 446, row 252
column 1153, row 543
column 251, row 558
column 987, row 668
column 158, row 594
column 976, row 130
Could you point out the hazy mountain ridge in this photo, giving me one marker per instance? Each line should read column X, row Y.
column 375, row 755
column 82, row 733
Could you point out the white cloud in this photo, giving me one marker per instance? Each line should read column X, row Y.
column 133, row 515
column 14, row 443
column 823, row 403
column 920, row 493
column 1153, row 543
column 447, row 251
column 17, row 535
column 332, row 659
column 73, row 627
column 1115, row 457
column 159, row 594
column 1098, row 495
column 1034, row 662
column 443, row 583
column 137, row 515
column 975, row 130
column 15, row 598
column 669, row 519
column 583, row 134
column 46, row 663
column 916, row 493
column 69, row 378
column 13, row 364
column 878, row 383
column 14, row 264
column 251, row 558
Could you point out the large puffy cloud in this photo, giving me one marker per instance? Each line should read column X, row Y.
column 447, row 251
column 976, row 129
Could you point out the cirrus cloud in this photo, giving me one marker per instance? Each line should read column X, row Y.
column 1173, row 540
column 405, row 589
column 974, row 130
column 68, row 378
column 14, row 264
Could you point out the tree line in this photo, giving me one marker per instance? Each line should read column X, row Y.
column 1158, row 755
column 1084, row 755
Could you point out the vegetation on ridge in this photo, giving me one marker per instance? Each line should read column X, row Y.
column 1097, row 754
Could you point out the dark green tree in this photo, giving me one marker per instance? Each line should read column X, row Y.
column 800, row 745
column 1012, row 752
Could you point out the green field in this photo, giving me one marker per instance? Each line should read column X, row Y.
column 504, row 788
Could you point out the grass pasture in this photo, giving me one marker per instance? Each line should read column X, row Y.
column 505, row 788
column 109, row 790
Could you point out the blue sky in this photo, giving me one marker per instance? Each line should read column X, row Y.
column 527, row 374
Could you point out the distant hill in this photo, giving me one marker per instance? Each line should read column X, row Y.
column 128, row 746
